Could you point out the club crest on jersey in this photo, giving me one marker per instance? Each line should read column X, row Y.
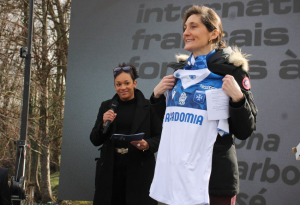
column 246, row 83
column 189, row 78
column 182, row 98
column 192, row 77
column 199, row 97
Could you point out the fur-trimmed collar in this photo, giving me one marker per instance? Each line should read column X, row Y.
column 233, row 56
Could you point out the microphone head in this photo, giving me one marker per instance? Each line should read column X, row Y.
column 114, row 105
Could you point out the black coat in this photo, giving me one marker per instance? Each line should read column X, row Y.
column 140, row 164
column 224, row 178
column 4, row 188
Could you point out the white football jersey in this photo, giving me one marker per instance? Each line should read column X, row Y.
column 184, row 158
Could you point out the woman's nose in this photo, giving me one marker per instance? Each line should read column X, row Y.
column 186, row 32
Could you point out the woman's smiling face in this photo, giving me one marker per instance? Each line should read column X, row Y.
column 196, row 36
column 125, row 86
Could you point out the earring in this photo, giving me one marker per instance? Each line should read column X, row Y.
column 209, row 41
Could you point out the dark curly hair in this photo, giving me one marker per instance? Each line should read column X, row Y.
column 133, row 72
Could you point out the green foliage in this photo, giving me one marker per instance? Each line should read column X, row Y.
column 54, row 183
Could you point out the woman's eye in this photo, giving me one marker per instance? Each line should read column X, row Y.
column 126, row 83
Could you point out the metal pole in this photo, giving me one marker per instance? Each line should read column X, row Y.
column 17, row 181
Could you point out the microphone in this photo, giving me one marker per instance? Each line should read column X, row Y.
column 113, row 107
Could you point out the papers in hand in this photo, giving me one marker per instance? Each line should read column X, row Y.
column 217, row 104
column 128, row 138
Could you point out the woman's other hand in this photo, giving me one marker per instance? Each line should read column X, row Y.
column 166, row 83
column 141, row 144
column 109, row 115
column 232, row 89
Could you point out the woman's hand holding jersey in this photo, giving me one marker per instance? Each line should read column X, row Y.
column 232, row 89
column 166, row 83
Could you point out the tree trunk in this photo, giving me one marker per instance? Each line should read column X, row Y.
column 45, row 149
column 43, row 133
column 34, row 167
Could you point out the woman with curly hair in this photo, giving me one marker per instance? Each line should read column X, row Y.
column 125, row 169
